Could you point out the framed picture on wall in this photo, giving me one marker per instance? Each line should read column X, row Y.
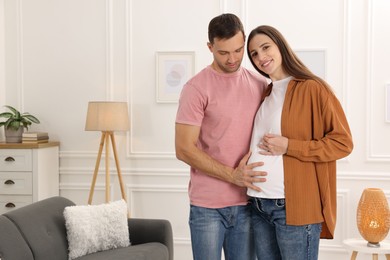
column 315, row 60
column 173, row 70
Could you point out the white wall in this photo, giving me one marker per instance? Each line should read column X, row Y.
column 60, row 54
column 2, row 53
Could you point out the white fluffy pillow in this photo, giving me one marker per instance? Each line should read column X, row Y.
column 96, row 228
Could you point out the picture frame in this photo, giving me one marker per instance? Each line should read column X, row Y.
column 315, row 60
column 173, row 70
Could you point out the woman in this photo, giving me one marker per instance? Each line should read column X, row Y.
column 300, row 131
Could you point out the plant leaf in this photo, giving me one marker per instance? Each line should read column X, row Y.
column 6, row 114
column 15, row 119
column 13, row 125
column 12, row 109
column 31, row 118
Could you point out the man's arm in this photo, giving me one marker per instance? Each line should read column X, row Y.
column 186, row 137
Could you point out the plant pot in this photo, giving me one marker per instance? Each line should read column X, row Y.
column 373, row 216
column 14, row 136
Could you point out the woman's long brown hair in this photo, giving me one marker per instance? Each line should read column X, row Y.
column 290, row 61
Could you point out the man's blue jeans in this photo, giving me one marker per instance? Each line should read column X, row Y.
column 275, row 240
column 228, row 228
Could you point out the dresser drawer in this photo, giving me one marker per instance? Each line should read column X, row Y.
column 15, row 160
column 16, row 183
column 9, row 202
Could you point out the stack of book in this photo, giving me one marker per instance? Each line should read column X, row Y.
column 35, row 137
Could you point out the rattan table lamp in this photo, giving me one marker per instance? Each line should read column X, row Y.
column 373, row 216
column 107, row 117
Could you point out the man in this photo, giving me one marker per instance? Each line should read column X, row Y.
column 213, row 131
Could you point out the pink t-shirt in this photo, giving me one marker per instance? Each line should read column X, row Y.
column 224, row 106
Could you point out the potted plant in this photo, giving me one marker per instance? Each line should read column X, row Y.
column 14, row 124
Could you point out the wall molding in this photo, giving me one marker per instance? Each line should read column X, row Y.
column 343, row 196
column 152, row 155
column 132, row 154
column 19, row 54
column 82, row 186
column 335, row 245
column 184, row 172
column 346, row 54
column 182, row 241
column 140, row 155
column 371, row 156
column 364, row 176
column 109, row 49
column 222, row 6
column 163, row 172
column 131, row 190
column 2, row 54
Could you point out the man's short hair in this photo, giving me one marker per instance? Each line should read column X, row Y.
column 225, row 26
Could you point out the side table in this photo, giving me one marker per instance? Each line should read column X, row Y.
column 360, row 245
column 28, row 173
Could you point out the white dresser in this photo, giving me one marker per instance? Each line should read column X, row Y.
column 28, row 173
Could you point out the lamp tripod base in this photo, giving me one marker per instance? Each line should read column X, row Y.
column 105, row 140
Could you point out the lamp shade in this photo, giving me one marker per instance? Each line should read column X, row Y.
column 373, row 216
column 107, row 116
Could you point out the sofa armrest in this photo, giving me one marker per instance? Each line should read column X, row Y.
column 151, row 230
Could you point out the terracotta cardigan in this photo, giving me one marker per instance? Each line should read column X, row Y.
column 318, row 132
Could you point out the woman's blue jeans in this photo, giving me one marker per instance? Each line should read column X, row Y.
column 228, row 228
column 275, row 240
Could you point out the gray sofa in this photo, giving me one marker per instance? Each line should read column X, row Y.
column 38, row 232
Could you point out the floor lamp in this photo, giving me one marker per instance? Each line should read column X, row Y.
column 107, row 117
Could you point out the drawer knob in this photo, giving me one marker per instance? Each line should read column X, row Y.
column 10, row 205
column 9, row 159
column 9, row 182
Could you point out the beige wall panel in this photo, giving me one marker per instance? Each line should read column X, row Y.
column 60, row 54
column 378, row 77
column 161, row 28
